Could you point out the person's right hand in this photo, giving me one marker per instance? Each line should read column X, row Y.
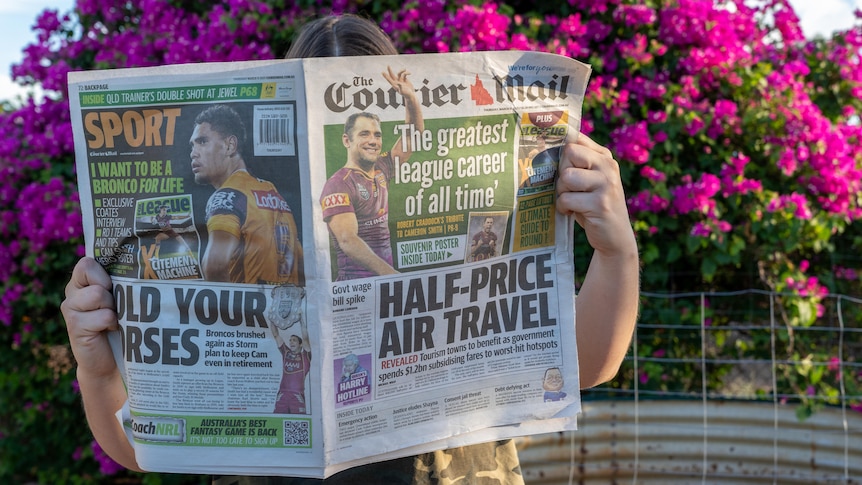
column 90, row 312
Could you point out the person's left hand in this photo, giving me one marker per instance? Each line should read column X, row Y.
column 590, row 188
column 399, row 81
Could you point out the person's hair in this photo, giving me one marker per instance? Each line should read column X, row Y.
column 224, row 121
column 549, row 369
column 351, row 120
column 341, row 35
column 351, row 358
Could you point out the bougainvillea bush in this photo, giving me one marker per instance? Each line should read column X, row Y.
column 738, row 140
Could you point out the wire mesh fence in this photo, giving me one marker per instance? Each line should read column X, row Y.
column 709, row 375
column 744, row 345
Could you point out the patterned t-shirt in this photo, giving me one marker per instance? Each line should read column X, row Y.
column 493, row 463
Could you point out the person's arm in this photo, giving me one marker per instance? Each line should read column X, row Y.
column 298, row 262
column 221, row 249
column 303, row 328
column 589, row 187
column 89, row 312
column 413, row 115
column 276, row 335
column 345, row 228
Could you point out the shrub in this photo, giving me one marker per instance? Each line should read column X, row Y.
column 739, row 144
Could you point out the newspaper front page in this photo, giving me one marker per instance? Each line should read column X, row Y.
column 322, row 263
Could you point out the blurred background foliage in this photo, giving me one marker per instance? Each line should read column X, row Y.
column 738, row 141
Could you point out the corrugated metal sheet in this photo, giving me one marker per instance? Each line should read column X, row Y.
column 663, row 442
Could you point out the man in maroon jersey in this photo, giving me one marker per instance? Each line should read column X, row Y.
column 484, row 242
column 355, row 200
column 166, row 231
column 296, row 362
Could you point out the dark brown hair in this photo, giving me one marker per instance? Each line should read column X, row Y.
column 351, row 122
column 226, row 122
column 341, row 35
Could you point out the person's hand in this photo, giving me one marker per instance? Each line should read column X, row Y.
column 589, row 187
column 400, row 81
column 90, row 312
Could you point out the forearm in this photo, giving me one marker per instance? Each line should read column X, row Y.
column 215, row 269
column 223, row 249
column 103, row 396
column 606, row 312
column 403, row 148
column 414, row 112
column 359, row 251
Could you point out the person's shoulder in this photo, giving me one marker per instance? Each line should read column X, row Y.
column 226, row 199
column 385, row 158
column 245, row 178
column 339, row 175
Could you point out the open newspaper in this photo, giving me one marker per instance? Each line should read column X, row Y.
column 323, row 263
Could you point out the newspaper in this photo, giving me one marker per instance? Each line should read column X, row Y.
column 254, row 339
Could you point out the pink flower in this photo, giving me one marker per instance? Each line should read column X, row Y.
column 694, row 125
column 797, row 202
column 635, row 15
column 107, row 466
column 632, row 142
column 701, row 229
column 696, row 196
column 645, row 201
column 652, row 174
column 845, row 273
column 788, row 162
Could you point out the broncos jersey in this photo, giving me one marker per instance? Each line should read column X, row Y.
column 253, row 211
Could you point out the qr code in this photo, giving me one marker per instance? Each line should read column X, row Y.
column 297, row 432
